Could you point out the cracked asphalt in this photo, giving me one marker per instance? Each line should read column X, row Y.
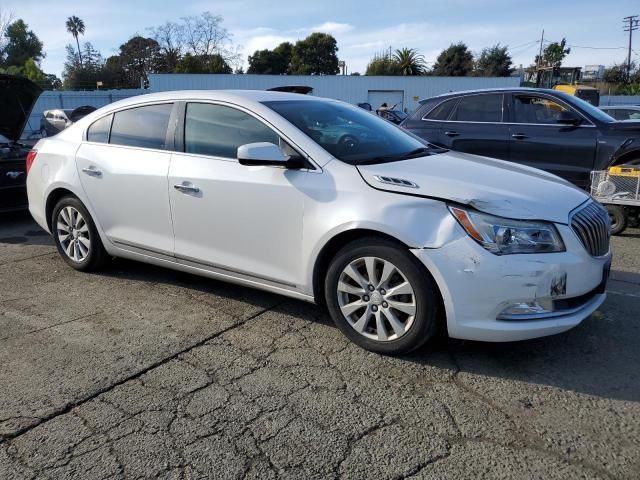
column 141, row 372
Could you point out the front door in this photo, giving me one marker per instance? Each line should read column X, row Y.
column 475, row 126
column 123, row 169
column 230, row 217
column 538, row 140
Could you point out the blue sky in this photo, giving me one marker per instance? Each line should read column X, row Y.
column 362, row 27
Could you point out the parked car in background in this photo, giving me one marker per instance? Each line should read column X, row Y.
column 396, row 236
column 623, row 112
column 541, row 128
column 17, row 97
column 394, row 116
column 54, row 121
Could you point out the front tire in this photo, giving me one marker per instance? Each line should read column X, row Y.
column 618, row 218
column 381, row 297
column 76, row 237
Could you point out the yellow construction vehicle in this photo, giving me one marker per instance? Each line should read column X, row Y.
column 563, row 79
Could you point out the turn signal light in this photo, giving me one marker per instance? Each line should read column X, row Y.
column 31, row 157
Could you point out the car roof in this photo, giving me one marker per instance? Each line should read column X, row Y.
column 492, row 90
column 225, row 95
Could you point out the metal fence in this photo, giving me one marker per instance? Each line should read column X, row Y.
column 64, row 99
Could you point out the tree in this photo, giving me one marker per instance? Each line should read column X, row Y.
column 75, row 26
column 203, row 64
column 6, row 18
column 454, row 61
column 208, row 40
column 139, row 57
column 83, row 76
column 170, row 38
column 553, row 54
column 383, row 65
column 409, row 61
column 315, row 55
column 21, row 45
column 494, row 62
column 275, row 62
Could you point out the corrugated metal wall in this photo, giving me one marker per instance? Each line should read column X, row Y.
column 352, row 89
column 619, row 100
column 64, row 99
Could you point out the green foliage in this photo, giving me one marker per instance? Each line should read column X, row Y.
column 203, row 64
column 315, row 55
column 21, row 44
column 274, row 62
column 75, row 26
column 409, row 61
column 553, row 54
column 454, row 61
column 383, row 65
column 494, row 62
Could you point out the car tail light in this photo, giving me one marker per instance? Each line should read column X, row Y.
column 31, row 157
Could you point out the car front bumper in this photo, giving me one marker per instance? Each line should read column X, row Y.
column 481, row 290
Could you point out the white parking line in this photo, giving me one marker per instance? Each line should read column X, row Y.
column 624, row 294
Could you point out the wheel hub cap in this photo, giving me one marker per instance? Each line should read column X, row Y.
column 376, row 299
column 73, row 234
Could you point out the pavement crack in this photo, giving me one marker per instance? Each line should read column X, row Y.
column 7, row 437
column 49, row 327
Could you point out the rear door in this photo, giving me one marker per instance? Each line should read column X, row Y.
column 538, row 140
column 476, row 126
column 123, row 167
column 428, row 120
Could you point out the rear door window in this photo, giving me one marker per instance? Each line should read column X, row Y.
column 99, row 130
column 218, row 130
column 479, row 108
column 144, row 127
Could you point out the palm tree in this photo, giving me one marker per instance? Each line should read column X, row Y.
column 75, row 26
column 410, row 62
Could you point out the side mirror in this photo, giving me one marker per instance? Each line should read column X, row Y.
column 568, row 117
column 266, row 154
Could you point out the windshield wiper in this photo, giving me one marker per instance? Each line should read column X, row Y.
column 418, row 152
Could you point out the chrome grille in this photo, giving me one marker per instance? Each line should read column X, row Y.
column 592, row 225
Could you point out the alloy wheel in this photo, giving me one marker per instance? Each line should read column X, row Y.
column 73, row 234
column 376, row 299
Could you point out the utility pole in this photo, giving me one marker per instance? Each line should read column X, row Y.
column 540, row 54
column 630, row 24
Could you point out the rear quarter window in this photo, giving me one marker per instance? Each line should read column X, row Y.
column 99, row 130
column 143, row 127
column 441, row 111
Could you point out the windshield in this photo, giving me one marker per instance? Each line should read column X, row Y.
column 588, row 108
column 351, row 134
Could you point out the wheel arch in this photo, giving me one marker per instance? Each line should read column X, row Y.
column 627, row 156
column 331, row 248
column 53, row 198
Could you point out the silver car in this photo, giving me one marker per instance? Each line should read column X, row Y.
column 322, row 201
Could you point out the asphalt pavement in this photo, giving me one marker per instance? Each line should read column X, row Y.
column 140, row 372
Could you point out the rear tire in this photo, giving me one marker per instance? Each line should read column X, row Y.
column 618, row 218
column 76, row 237
column 381, row 297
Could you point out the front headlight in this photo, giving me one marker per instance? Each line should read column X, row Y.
column 504, row 236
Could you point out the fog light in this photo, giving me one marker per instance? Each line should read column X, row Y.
column 523, row 311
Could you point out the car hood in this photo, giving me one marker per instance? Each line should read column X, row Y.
column 18, row 95
column 486, row 184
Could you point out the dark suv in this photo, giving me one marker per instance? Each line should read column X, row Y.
column 541, row 128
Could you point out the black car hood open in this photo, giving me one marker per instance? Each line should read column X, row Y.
column 18, row 95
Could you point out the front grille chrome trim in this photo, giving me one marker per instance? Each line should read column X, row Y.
column 592, row 226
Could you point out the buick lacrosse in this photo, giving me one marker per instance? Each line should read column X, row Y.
column 322, row 201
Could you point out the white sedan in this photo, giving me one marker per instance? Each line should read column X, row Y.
column 321, row 201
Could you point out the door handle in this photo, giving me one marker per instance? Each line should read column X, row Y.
column 92, row 171
column 186, row 188
column 519, row 136
column 451, row 134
